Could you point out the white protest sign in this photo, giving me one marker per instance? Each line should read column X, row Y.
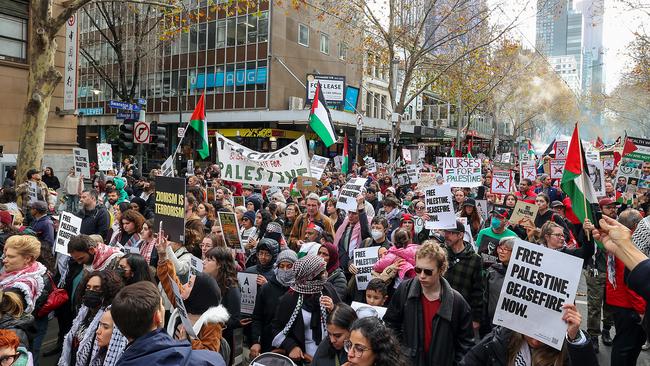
column 338, row 161
column 196, row 265
column 538, row 282
column 426, row 180
column 528, row 170
column 104, row 157
column 271, row 191
column 81, row 163
column 440, row 207
column 180, row 305
column 69, row 225
column 557, row 168
column 371, row 164
column 190, row 167
column 359, row 306
column 413, row 172
column 481, row 207
column 317, row 165
column 608, row 164
column 597, row 176
column 462, row 172
column 406, row 154
column 167, row 168
column 248, row 288
column 561, row 149
column 501, row 181
column 347, row 199
column 275, row 168
column 364, row 260
column 32, row 191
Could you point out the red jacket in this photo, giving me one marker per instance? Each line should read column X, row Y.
column 530, row 194
column 622, row 296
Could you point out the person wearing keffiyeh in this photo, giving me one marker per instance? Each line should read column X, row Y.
column 21, row 272
column 311, row 297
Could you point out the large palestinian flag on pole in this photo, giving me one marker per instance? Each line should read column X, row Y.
column 200, row 125
column 575, row 180
column 320, row 120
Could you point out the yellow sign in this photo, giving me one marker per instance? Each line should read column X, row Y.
column 261, row 133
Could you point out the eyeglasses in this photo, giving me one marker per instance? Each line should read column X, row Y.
column 558, row 235
column 357, row 348
column 419, row 207
column 504, row 248
column 427, row 271
column 9, row 360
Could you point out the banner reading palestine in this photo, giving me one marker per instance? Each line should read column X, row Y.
column 275, row 168
column 170, row 207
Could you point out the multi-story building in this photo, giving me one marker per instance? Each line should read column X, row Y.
column 569, row 69
column 252, row 66
column 60, row 135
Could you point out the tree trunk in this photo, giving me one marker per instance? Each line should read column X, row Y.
column 43, row 78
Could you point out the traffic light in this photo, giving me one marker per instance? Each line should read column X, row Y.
column 126, row 136
column 158, row 136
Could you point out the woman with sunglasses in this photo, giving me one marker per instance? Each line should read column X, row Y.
column 371, row 343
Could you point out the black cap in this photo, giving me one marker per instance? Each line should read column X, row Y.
column 500, row 211
column 555, row 204
column 469, row 202
column 460, row 228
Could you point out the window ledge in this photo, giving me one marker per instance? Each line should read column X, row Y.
column 14, row 64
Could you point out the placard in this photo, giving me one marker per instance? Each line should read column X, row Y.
column 634, row 168
column 538, row 282
column 317, row 166
column 81, row 163
column 371, row 164
column 359, row 306
column 364, row 260
column 561, row 149
column 238, row 201
column 307, row 183
column 271, row 191
column 167, row 168
column 597, row 176
column 170, row 207
column 426, row 180
column 196, row 265
column 557, row 168
column 440, row 207
column 481, row 208
column 523, row 210
column 501, row 180
column 248, row 288
column 347, row 199
column 462, row 172
column 32, row 191
column 104, row 157
column 413, row 172
column 406, row 154
column 276, row 168
column 338, row 161
column 69, row 225
column 230, row 230
column 608, row 164
column 190, row 168
column 527, row 170
column 182, row 312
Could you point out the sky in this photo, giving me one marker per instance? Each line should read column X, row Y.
column 620, row 25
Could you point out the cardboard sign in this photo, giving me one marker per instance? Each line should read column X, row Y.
column 597, row 176
column 248, row 288
column 538, row 282
column 167, row 168
column 81, row 162
column 365, row 308
column 347, row 199
column 481, row 208
column 307, row 183
column 557, row 168
column 426, row 180
column 69, row 225
column 180, row 305
column 501, row 180
column 32, row 191
column 523, row 210
column 462, row 172
column 170, row 207
column 238, row 163
column 230, row 230
column 364, row 260
column 317, row 165
column 104, row 157
column 413, row 172
column 440, row 207
column 561, row 149
column 196, row 265
column 527, row 171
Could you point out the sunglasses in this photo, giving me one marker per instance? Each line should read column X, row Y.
column 427, row 271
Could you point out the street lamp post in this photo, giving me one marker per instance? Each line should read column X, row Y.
column 394, row 118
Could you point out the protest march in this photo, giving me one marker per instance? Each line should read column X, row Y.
column 293, row 258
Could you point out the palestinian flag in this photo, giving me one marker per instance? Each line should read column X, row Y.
column 599, row 143
column 531, row 151
column 346, row 160
column 200, row 125
column 470, row 146
column 320, row 120
column 575, row 180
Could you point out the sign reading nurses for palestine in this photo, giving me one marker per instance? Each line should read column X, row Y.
column 170, row 207
column 462, row 172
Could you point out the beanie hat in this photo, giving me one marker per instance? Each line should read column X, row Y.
column 5, row 217
column 287, row 255
column 249, row 215
column 205, row 294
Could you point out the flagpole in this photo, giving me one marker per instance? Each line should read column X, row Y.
column 584, row 197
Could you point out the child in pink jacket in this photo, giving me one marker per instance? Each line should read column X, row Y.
column 401, row 252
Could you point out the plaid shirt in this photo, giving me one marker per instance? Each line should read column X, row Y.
column 464, row 275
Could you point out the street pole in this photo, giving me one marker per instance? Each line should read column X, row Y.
column 394, row 118
column 358, row 137
column 459, row 109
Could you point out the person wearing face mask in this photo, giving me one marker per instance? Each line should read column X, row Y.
column 488, row 238
column 266, row 302
column 95, row 295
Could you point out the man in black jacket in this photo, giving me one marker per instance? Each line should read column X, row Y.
column 432, row 321
column 94, row 218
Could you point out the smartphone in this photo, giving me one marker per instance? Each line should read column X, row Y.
column 160, row 229
column 598, row 214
